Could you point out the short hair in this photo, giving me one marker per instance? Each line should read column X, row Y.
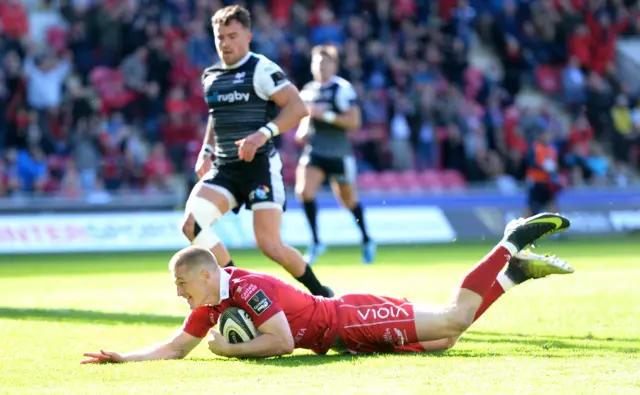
column 192, row 257
column 225, row 15
column 330, row 51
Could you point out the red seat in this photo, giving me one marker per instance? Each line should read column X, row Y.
column 429, row 181
column 368, row 181
column 389, row 180
column 453, row 179
column 409, row 180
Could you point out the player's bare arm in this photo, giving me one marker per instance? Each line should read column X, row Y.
column 275, row 340
column 178, row 347
column 204, row 163
column 349, row 120
column 292, row 108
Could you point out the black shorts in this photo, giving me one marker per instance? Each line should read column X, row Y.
column 540, row 195
column 257, row 184
column 343, row 170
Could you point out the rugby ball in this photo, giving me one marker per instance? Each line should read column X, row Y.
column 236, row 326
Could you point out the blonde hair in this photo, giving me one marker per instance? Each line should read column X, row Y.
column 192, row 257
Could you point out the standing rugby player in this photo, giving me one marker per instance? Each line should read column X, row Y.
column 242, row 92
column 328, row 154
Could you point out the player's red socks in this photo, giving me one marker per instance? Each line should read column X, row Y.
column 483, row 274
column 489, row 298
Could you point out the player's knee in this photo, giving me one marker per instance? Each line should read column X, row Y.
column 348, row 202
column 458, row 321
column 271, row 246
column 188, row 227
column 197, row 225
column 449, row 342
column 305, row 194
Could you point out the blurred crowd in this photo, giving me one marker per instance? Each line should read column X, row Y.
column 104, row 96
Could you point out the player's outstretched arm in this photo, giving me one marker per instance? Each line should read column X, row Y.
column 179, row 346
column 275, row 340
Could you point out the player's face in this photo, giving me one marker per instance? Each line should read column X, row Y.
column 322, row 68
column 193, row 285
column 232, row 41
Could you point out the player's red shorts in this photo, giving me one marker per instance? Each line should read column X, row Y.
column 369, row 323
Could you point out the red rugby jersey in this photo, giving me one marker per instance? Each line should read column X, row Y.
column 312, row 319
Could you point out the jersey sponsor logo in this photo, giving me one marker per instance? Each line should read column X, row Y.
column 259, row 302
column 251, row 288
column 238, row 78
column 278, row 77
column 230, row 97
column 300, row 335
column 383, row 312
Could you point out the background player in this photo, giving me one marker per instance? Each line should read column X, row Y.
column 242, row 92
column 542, row 175
column 333, row 112
column 288, row 318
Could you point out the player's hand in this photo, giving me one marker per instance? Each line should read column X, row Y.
column 247, row 147
column 318, row 110
column 204, row 164
column 218, row 344
column 102, row 357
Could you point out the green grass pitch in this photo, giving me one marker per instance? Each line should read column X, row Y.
column 575, row 334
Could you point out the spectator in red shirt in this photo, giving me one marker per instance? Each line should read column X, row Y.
column 158, row 169
column 580, row 45
column 604, row 33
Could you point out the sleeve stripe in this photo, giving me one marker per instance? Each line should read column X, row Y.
column 277, row 88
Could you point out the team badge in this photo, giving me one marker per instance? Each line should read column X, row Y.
column 259, row 302
column 262, row 192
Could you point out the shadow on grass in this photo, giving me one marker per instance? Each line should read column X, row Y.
column 87, row 316
column 495, row 342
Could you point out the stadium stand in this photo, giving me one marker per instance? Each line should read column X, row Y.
column 103, row 97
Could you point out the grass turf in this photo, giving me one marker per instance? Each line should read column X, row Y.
column 575, row 334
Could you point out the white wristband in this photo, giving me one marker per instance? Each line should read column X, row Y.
column 270, row 130
column 208, row 148
column 329, row 117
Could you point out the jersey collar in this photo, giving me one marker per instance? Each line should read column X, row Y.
column 224, row 284
column 332, row 80
column 239, row 63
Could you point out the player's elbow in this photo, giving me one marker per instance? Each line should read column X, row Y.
column 355, row 120
column 175, row 352
column 285, row 345
column 299, row 108
column 356, row 123
column 302, row 110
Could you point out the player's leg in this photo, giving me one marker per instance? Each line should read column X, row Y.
column 450, row 321
column 309, row 178
column 345, row 191
column 267, row 200
column 538, row 199
column 266, row 224
column 207, row 204
column 524, row 266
